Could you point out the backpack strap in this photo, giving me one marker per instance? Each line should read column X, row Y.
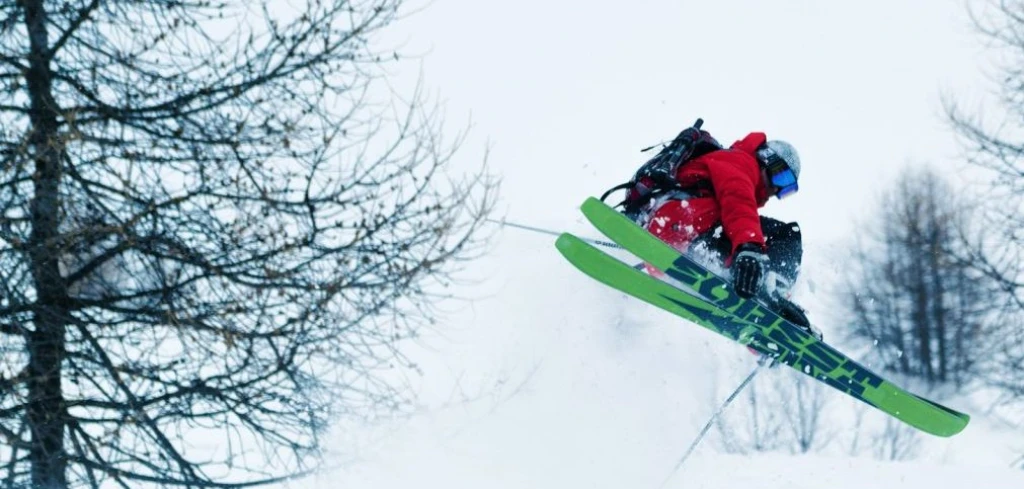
column 621, row 186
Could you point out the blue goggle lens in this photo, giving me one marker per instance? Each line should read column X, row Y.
column 785, row 181
column 786, row 191
column 784, row 178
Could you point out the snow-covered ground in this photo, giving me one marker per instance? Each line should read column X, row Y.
column 551, row 380
column 816, row 472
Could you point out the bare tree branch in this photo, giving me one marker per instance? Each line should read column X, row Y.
column 217, row 229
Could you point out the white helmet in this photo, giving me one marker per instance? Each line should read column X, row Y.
column 783, row 150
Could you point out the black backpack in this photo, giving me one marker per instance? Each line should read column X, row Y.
column 658, row 175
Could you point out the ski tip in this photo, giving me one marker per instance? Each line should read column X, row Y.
column 950, row 429
column 592, row 203
column 565, row 242
column 955, row 429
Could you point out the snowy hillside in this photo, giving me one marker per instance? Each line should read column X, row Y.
column 814, row 472
column 552, row 381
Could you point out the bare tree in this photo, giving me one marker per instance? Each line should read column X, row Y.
column 907, row 292
column 807, row 400
column 996, row 145
column 896, row 441
column 215, row 229
column 856, row 429
column 889, row 440
column 757, row 425
column 782, row 411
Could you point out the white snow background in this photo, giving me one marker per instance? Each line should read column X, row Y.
column 543, row 378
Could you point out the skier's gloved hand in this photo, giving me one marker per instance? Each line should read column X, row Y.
column 748, row 268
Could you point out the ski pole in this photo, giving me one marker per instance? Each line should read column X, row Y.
column 607, row 244
column 693, row 446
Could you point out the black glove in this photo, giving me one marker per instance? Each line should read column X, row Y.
column 748, row 268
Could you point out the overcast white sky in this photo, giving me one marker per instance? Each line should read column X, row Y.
column 566, row 93
column 569, row 91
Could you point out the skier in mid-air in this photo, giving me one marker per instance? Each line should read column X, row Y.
column 703, row 199
column 698, row 196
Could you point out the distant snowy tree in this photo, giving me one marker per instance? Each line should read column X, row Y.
column 755, row 423
column 780, row 410
column 896, row 441
column 804, row 412
column 905, row 291
column 854, row 431
column 216, row 227
column 994, row 142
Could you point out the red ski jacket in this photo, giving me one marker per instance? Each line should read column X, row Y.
column 737, row 190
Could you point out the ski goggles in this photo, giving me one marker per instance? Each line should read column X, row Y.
column 785, row 181
column 781, row 176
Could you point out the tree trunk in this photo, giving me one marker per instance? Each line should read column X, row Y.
column 920, row 310
column 46, row 410
column 939, row 310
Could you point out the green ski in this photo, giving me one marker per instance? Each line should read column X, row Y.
column 716, row 307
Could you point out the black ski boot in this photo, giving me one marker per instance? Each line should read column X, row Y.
column 775, row 295
column 795, row 314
